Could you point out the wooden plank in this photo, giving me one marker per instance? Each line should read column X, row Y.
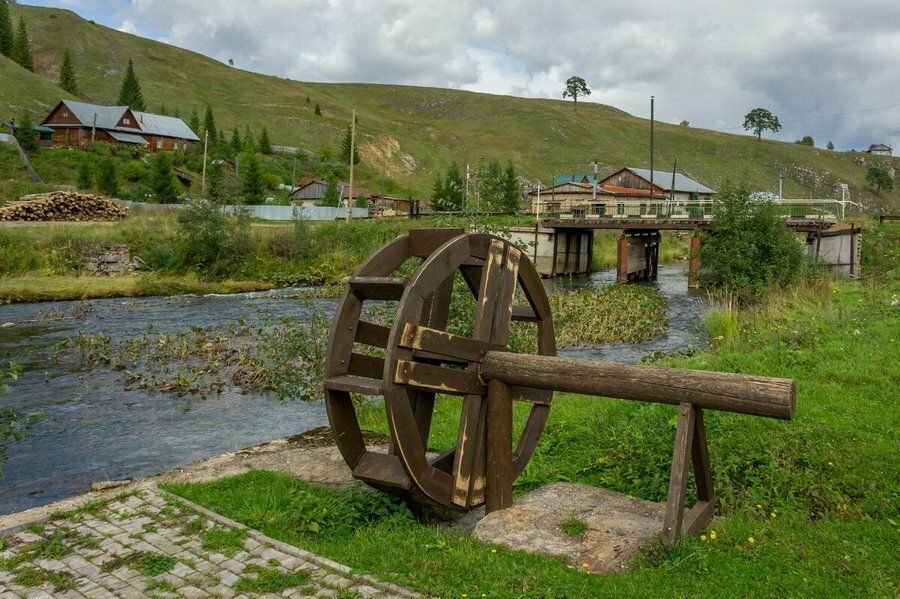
column 698, row 517
column 367, row 366
column 471, row 429
column 423, row 242
column 498, row 487
column 382, row 469
column 377, row 288
column 503, row 308
column 700, row 460
column 355, row 384
column 442, row 343
column 435, row 378
column 684, row 431
column 524, row 314
column 740, row 393
column 372, row 334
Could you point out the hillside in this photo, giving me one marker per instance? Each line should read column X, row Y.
column 413, row 132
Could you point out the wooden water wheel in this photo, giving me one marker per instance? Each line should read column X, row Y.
column 413, row 361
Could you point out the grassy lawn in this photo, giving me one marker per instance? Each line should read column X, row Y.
column 817, row 495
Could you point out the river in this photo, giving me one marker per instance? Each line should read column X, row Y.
column 94, row 429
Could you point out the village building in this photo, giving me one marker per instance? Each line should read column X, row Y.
column 881, row 150
column 627, row 186
column 78, row 125
column 310, row 192
column 385, row 205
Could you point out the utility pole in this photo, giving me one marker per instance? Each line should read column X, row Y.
column 652, row 100
column 294, row 174
column 780, row 186
column 466, row 190
column 94, row 129
column 537, row 222
column 352, row 155
column 594, row 196
column 203, row 179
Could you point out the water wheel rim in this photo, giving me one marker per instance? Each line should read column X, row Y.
column 459, row 489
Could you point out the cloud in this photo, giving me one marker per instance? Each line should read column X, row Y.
column 708, row 62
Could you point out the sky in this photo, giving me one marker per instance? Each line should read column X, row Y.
column 826, row 68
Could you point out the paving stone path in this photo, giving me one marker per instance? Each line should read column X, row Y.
column 150, row 544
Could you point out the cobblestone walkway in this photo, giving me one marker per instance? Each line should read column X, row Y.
column 150, row 544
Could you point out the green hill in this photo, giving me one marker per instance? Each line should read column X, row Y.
column 412, row 132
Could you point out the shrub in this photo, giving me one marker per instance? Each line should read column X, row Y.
column 214, row 242
column 85, row 175
column 108, row 178
column 134, row 171
column 751, row 248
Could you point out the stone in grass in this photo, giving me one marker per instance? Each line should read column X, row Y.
column 617, row 525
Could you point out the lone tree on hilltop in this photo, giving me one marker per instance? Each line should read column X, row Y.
column 576, row 86
column 130, row 93
column 21, row 48
column 759, row 120
column 829, row 145
column 6, row 30
column 880, row 178
column 67, row 79
column 806, row 141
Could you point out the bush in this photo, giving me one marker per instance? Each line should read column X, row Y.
column 85, row 175
column 751, row 248
column 134, row 171
column 108, row 178
column 213, row 242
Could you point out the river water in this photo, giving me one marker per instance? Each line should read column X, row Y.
column 94, row 429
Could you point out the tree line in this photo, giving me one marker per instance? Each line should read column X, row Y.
column 491, row 189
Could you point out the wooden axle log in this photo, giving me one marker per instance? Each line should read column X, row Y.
column 743, row 394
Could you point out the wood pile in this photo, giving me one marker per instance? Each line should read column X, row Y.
column 62, row 206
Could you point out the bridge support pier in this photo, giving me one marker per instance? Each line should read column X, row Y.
column 637, row 256
column 694, row 264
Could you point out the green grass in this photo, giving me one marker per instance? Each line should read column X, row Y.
column 575, row 527
column 433, row 126
column 818, row 495
column 269, row 580
column 226, row 541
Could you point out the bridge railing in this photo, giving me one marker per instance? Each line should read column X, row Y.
column 691, row 210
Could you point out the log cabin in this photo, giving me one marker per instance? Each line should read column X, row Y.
column 78, row 125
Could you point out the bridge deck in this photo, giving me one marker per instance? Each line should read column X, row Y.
column 670, row 224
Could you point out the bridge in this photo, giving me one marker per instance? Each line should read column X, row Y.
column 570, row 234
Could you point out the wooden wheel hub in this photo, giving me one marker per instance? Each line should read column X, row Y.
column 412, row 361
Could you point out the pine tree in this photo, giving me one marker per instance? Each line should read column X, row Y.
column 264, row 145
column 67, row 79
column 194, row 123
column 209, row 125
column 253, row 187
column 236, row 145
column 85, row 175
column 162, row 179
column 26, row 135
column 108, row 179
column 345, row 149
column 21, row 48
column 215, row 181
column 162, row 110
column 249, row 144
column 453, row 188
column 130, row 93
column 512, row 191
column 6, row 30
column 318, row 110
column 437, row 192
column 332, row 195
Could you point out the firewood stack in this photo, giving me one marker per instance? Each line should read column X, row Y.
column 62, row 206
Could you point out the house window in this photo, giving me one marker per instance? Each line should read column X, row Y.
column 65, row 114
column 175, row 146
column 126, row 121
column 159, row 144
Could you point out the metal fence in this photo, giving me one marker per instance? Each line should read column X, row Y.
column 265, row 212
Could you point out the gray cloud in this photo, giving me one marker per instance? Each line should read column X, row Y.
column 708, row 62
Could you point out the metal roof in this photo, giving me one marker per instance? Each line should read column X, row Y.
column 572, row 178
column 128, row 138
column 663, row 179
column 168, row 126
column 107, row 116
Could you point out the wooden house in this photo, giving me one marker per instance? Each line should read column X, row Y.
column 76, row 124
column 311, row 192
column 636, row 182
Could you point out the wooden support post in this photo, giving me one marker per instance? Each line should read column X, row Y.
column 690, row 444
column 694, row 264
column 590, row 254
column 498, row 491
column 622, row 260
